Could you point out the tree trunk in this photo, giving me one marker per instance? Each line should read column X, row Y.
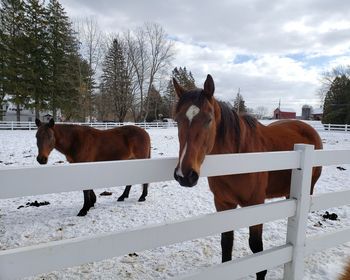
column 18, row 112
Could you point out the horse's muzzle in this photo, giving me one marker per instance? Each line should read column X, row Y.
column 41, row 159
column 189, row 180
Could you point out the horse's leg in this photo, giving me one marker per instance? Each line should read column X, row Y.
column 92, row 198
column 256, row 245
column 226, row 245
column 144, row 192
column 125, row 193
column 226, row 237
column 87, row 202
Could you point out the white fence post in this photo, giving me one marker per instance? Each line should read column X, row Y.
column 296, row 228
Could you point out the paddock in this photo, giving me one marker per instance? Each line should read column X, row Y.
column 167, row 203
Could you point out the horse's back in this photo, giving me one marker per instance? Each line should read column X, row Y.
column 282, row 136
column 120, row 143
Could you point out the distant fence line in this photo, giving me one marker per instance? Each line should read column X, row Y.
column 13, row 125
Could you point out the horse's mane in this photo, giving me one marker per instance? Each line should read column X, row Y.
column 229, row 117
column 230, row 120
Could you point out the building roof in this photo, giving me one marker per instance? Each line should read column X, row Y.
column 286, row 110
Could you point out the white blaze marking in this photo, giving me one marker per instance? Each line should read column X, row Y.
column 192, row 111
column 179, row 170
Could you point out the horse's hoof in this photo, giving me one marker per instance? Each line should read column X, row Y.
column 121, row 198
column 82, row 213
column 142, row 199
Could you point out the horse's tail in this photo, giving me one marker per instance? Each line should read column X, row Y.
column 346, row 273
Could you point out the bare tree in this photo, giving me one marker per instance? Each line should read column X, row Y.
column 136, row 61
column 91, row 39
column 150, row 53
column 261, row 111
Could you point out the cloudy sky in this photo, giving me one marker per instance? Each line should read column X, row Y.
column 271, row 50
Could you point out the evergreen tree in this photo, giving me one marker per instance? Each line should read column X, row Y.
column 239, row 104
column 156, row 104
column 15, row 75
column 64, row 62
column 116, row 84
column 2, row 64
column 336, row 108
column 37, row 49
column 186, row 80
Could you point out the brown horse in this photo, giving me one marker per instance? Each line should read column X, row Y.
column 346, row 274
column 207, row 126
column 86, row 144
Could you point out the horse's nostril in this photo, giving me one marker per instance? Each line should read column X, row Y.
column 41, row 160
column 175, row 175
column 193, row 176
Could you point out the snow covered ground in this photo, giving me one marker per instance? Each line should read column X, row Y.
column 166, row 202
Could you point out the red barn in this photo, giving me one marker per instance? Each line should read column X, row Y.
column 284, row 113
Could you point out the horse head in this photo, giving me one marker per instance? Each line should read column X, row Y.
column 45, row 140
column 197, row 118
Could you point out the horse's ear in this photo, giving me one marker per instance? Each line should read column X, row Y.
column 51, row 123
column 209, row 86
column 37, row 122
column 178, row 89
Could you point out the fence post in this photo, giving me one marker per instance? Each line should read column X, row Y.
column 296, row 227
column 346, row 127
column 12, row 125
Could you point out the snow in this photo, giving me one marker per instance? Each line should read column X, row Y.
column 167, row 201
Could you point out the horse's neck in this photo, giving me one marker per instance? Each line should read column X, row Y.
column 233, row 143
column 64, row 139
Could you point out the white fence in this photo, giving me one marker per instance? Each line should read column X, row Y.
column 10, row 125
column 66, row 253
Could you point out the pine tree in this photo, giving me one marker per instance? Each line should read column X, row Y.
column 156, row 104
column 13, row 44
column 239, row 104
column 64, row 59
column 2, row 65
column 336, row 108
column 186, row 80
column 37, row 49
column 116, row 83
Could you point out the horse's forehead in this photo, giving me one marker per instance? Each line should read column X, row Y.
column 192, row 111
column 43, row 131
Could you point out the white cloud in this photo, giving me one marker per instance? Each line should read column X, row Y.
column 212, row 34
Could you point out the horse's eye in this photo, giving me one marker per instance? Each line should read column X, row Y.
column 208, row 121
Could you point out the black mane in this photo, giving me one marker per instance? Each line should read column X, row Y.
column 230, row 120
